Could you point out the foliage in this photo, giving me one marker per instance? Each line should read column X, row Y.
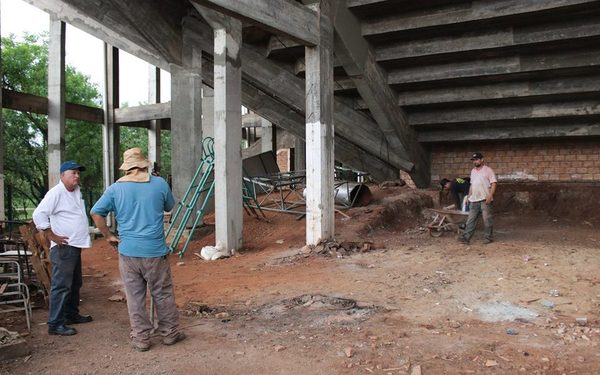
column 25, row 69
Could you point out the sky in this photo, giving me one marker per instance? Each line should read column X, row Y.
column 84, row 52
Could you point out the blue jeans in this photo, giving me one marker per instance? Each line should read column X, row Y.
column 66, row 282
column 476, row 208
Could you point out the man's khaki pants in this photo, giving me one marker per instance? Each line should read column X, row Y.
column 154, row 274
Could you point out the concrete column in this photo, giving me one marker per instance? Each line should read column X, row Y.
column 186, row 118
column 155, row 125
column 56, row 99
column 110, row 130
column 2, row 205
column 266, row 139
column 228, row 134
column 319, row 132
column 299, row 154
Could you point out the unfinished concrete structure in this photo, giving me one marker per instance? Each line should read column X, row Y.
column 383, row 86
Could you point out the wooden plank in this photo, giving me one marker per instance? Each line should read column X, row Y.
column 283, row 17
column 40, row 255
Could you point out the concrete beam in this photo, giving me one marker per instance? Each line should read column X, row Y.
column 478, row 11
column 574, row 60
column 352, row 125
column 565, row 86
column 145, row 112
column 56, row 100
column 20, row 101
column 279, row 113
column 509, row 132
column 299, row 22
column 505, row 113
column 358, row 61
column 148, row 32
column 493, row 38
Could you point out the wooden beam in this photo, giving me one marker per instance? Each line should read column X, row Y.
column 145, row 29
column 579, row 129
column 370, row 79
column 146, row 112
column 19, row 101
column 505, row 113
column 283, row 17
column 478, row 11
column 497, row 66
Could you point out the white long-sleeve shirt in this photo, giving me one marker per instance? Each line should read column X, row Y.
column 64, row 212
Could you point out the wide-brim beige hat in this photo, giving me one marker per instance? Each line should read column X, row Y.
column 134, row 158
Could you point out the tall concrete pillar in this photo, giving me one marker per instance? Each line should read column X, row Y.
column 110, row 130
column 228, row 133
column 319, row 132
column 266, row 139
column 186, row 118
column 154, row 131
column 56, row 99
column 2, row 205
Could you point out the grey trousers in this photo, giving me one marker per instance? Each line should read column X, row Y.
column 139, row 274
column 476, row 208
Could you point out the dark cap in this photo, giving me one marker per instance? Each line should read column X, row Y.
column 443, row 182
column 71, row 164
column 476, row 156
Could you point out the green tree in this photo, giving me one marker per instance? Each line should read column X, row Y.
column 25, row 69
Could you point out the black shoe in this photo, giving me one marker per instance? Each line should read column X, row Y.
column 79, row 319
column 62, row 331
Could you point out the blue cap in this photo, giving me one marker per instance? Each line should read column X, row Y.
column 71, row 164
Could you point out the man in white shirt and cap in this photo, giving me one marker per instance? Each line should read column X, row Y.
column 62, row 217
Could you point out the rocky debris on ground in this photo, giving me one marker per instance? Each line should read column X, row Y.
column 12, row 345
column 390, row 184
column 338, row 249
column 7, row 336
column 194, row 308
column 117, row 297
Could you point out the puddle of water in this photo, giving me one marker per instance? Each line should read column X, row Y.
column 504, row 311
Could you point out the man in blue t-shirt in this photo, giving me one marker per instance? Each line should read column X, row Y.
column 139, row 201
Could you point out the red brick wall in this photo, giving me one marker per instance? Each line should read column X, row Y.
column 552, row 161
column 283, row 159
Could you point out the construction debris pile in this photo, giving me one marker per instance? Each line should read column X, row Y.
column 337, row 249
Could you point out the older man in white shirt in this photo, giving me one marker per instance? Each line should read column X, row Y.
column 62, row 217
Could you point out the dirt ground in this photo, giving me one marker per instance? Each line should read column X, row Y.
column 412, row 304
